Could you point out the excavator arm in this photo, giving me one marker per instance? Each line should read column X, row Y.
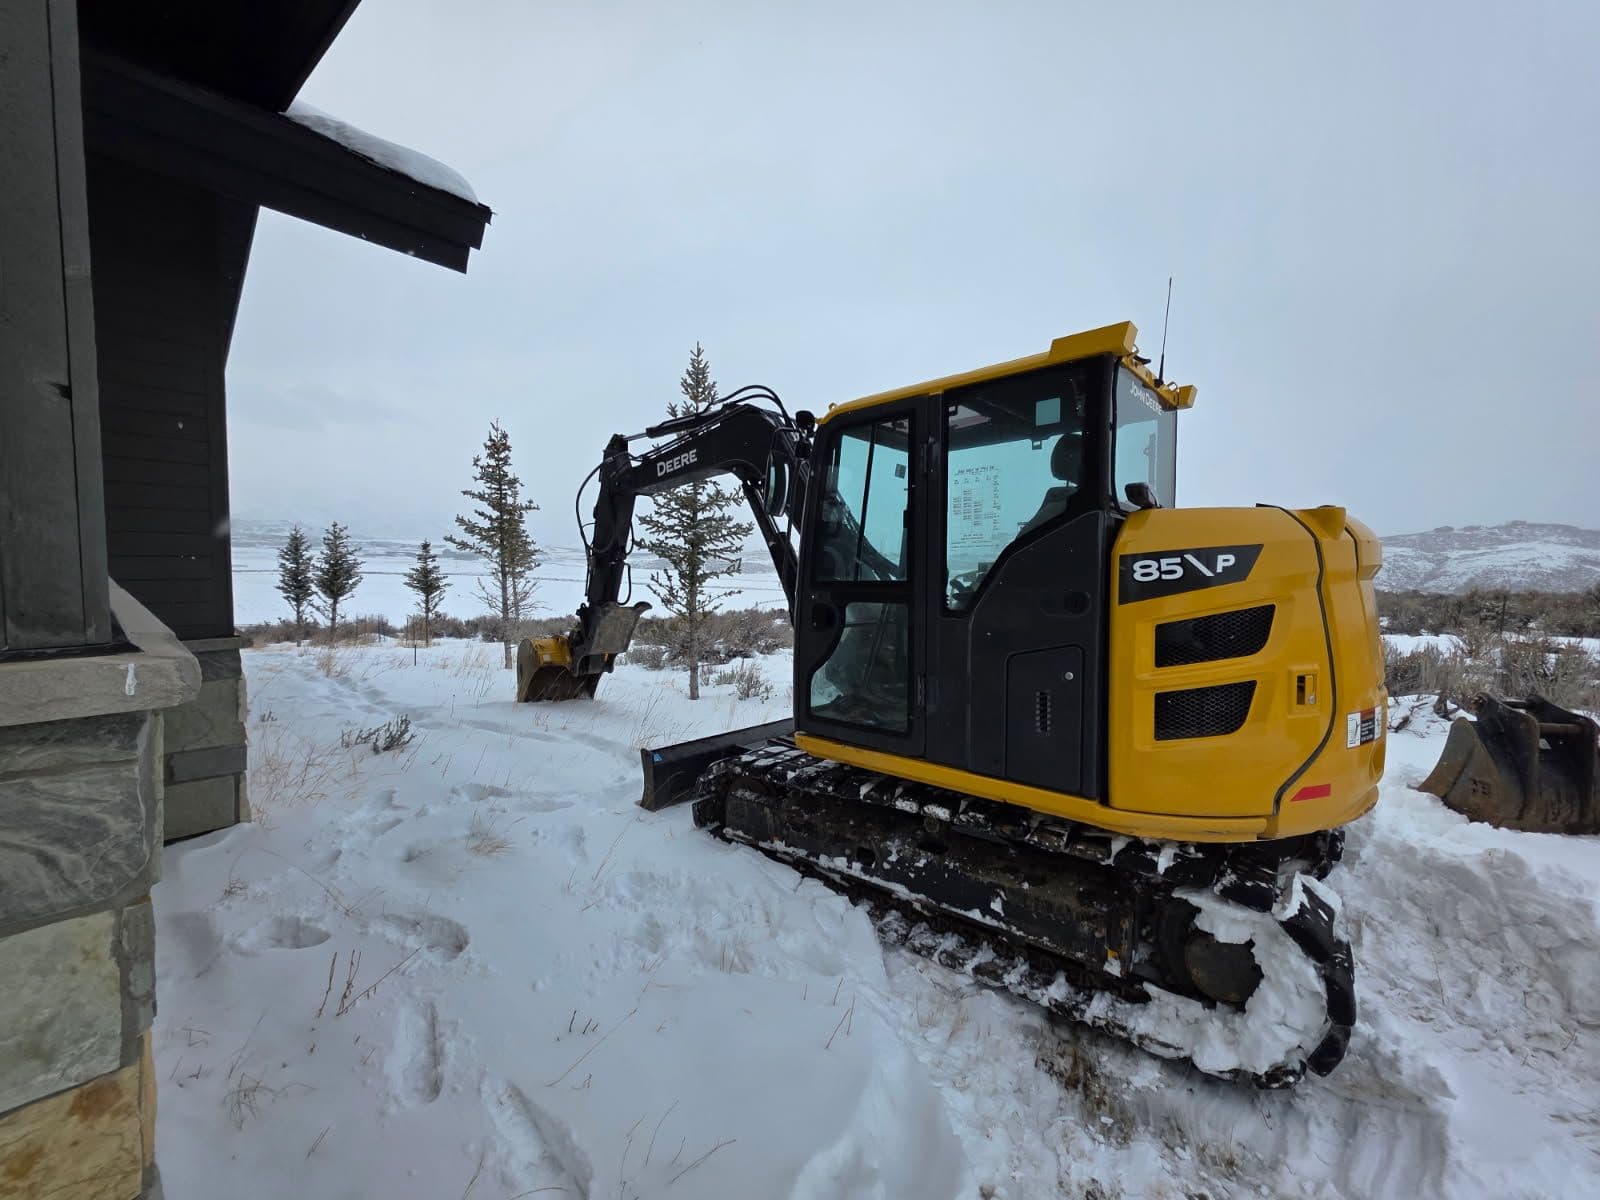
column 765, row 450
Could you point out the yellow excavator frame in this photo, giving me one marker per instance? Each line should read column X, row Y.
column 1311, row 750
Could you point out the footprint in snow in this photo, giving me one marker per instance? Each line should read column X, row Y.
column 443, row 938
column 536, row 1149
column 477, row 793
column 416, row 1062
column 281, row 933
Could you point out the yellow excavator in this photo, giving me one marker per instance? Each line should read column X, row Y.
column 1055, row 732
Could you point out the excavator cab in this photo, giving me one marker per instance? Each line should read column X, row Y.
column 953, row 583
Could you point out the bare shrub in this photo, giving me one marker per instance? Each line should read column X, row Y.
column 1560, row 614
column 1514, row 665
column 1427, row 670
column 754, row 631
column 747, row 680
column 647, row 655
column 724, row 636
column 269, row 632
column 391, row 735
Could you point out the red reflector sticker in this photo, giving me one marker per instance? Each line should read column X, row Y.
column 1314, row 791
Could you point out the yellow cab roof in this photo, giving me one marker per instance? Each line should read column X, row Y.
column 1116, row 339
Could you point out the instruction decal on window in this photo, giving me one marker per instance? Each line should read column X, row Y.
column 975, row 536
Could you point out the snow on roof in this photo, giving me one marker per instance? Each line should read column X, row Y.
column 429, row 172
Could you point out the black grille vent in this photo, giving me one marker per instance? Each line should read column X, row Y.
column 1206, row 639
column 1041, row 711
column 1203, row 712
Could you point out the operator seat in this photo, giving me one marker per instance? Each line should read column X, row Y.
column 1066, row 464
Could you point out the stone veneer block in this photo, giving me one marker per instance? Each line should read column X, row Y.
column 201, row 806
column 61, row 1016
column 136, row 956
column 213, row 718
column 95, row 1142
column 79, row 809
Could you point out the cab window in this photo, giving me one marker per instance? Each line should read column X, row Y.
column 1015, row 464
column 1147, row 442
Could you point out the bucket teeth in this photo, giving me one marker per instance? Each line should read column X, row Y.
column 1522, row 764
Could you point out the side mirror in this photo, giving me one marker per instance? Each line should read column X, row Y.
column 1142, row 495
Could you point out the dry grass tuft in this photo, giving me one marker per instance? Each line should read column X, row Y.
column 484, row 838
column 334, row 662
column 288, row 770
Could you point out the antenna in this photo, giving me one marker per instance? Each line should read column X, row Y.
column 1161, row 367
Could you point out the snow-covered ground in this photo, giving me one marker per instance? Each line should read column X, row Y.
column 472, row 967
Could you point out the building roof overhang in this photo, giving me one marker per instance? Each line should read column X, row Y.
column 253, row 154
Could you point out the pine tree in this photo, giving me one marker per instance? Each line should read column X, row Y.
column 337, row 574
column 429, row 583
column 693, row 530
column 294, row 578
column 498, row 531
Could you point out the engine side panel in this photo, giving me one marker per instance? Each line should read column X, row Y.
column 1217, row 709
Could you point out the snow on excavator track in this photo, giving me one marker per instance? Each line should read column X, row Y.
column 1226, row 956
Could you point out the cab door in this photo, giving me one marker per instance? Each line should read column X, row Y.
column 858, row 641
column 1016, row 614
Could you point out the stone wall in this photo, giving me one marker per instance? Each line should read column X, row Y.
column 80, row 847
column 205, row 747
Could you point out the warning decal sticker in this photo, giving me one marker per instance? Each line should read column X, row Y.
column 1363, row 727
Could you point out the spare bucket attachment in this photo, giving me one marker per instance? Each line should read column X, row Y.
column 1523, row 764
column 671, row 772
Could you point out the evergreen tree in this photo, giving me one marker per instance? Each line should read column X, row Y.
column 294, row 578
column 693, row 530
column 498, row 531
column 429, row 583
column 337, row 574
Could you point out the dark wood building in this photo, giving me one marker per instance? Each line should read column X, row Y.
column 138, row 141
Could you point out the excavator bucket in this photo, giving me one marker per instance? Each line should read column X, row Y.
column 1522, row 764
column 544, row 671
column 545, row 668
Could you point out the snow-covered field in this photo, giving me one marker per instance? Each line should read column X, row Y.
column 382, row 592
column 472, row 967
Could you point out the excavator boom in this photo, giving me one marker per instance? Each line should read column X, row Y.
column 765, row 450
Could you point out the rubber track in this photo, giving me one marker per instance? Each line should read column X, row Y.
column 1252, row 876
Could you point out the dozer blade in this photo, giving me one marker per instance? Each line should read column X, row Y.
column 1522, row 764
column 671, row 772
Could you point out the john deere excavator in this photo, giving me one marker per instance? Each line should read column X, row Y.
column 1055, row 732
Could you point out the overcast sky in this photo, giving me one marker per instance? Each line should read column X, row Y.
column 1381, row 217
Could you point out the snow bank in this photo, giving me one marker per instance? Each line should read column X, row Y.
column 555, row 989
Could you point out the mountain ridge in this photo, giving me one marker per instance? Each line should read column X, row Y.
column 1519, row 555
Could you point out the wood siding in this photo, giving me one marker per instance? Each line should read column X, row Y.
column 53, row 592
column 168, row 258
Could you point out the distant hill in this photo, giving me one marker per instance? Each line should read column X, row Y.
column 1521, row 555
